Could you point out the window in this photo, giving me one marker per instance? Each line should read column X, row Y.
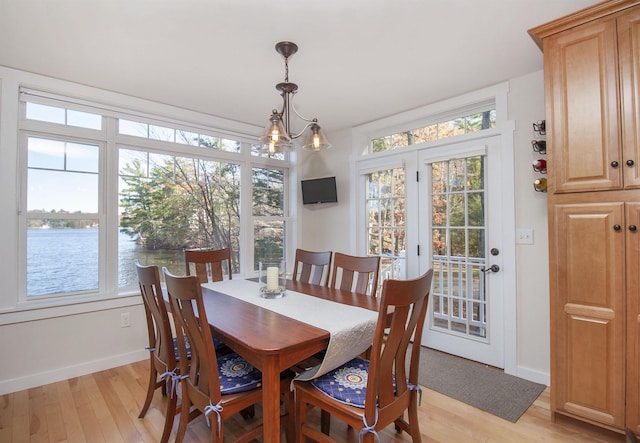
column 437, row 131
column 62, row 216
column 94, row 201
column 169, row 203
column 268, row 204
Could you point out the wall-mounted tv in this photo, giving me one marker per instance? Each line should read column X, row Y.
column 319, row 190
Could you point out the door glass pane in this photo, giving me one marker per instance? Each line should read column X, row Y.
column 458, row 301
column 385, row 215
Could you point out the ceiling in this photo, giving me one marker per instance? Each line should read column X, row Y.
column 359, row 60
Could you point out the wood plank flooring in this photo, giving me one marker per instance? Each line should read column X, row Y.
column 104, row 407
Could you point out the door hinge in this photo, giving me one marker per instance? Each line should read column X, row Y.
column 418, row 249
column 418, row 176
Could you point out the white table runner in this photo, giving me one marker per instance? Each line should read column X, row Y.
column 351, row 328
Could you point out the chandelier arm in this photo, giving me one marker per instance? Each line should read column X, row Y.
column 299, row 134
column 295, row 111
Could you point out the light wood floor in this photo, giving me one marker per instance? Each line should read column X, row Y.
column 104, row 407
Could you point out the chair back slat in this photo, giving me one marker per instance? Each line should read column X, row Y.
column 185, row 297
column 389, row 382
column 357, row 274
column 309, row 266
column 209, row 264
column 158, row 324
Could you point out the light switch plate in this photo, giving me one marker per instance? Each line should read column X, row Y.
column 524, row 236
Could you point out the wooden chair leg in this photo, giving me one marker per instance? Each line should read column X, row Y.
column 300, row 419
column 151, row 388
column 289, row 410
column 170, row 415
column 185, row 417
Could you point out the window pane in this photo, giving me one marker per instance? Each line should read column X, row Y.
column 268, row 192
column 257, row 151
column 385, row 220
column 269, row 241
column 44, row 153
column 62, row 191
column 187, row 138
column 457, row 210
column 182, row 203
column 475, row 173
column 161, row 133
column 457, row 242
column 84, row 119
column 230, row 145
column 62, row 176
column 134, row 163
column 137, row 129
column 82, row 158
column 426, row 134
column 476, row 208
column 45, row 113
column 63, row 257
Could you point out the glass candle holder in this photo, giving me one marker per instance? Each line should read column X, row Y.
column 271, row 278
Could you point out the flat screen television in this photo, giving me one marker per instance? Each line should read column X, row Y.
column 319, row 190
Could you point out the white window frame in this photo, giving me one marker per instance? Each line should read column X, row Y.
column 109, row 295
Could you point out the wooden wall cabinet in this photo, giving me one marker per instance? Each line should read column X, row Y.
column 592, row 91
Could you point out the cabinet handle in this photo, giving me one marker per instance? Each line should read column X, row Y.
column 630, row 163
column 614, row 164
column 633, row 228
column 617, row 227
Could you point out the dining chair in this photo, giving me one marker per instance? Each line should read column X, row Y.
column 369, row 395
column 357, row 274
column 309, row 266
column 217, row 387
column 163, row 347
column 208, row 264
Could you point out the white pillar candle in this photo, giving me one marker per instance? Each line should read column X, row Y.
column 272, row 278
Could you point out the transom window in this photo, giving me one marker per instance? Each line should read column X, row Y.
column 436, row 131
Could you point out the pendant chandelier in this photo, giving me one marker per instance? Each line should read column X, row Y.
column 278, row 135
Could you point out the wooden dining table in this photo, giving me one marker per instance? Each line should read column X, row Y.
column 273, row 342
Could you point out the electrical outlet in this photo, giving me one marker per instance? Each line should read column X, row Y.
column 125, row 320
column 524, row 237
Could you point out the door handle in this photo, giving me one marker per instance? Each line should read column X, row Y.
column 492, row 268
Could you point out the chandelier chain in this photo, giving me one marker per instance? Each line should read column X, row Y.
column 286, row 69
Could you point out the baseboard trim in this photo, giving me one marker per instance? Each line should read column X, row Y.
column 56, row 375
column 533, row 375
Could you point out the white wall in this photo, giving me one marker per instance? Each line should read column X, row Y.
column 327, row 227
column 526, row 106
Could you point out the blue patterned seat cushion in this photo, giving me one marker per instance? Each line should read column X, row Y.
column 237, row 374
column 346, row 384
column 216, row 343
column 175, row 347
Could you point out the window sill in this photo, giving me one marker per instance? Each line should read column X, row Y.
column 46, row 309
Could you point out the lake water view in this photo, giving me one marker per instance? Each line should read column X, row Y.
column 66, row 260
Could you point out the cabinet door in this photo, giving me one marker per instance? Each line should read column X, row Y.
column 588, row 312
column 633, row 316
column 581, row 81
column 629, row 54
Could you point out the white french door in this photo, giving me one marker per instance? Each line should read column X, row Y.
column 460, row 207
